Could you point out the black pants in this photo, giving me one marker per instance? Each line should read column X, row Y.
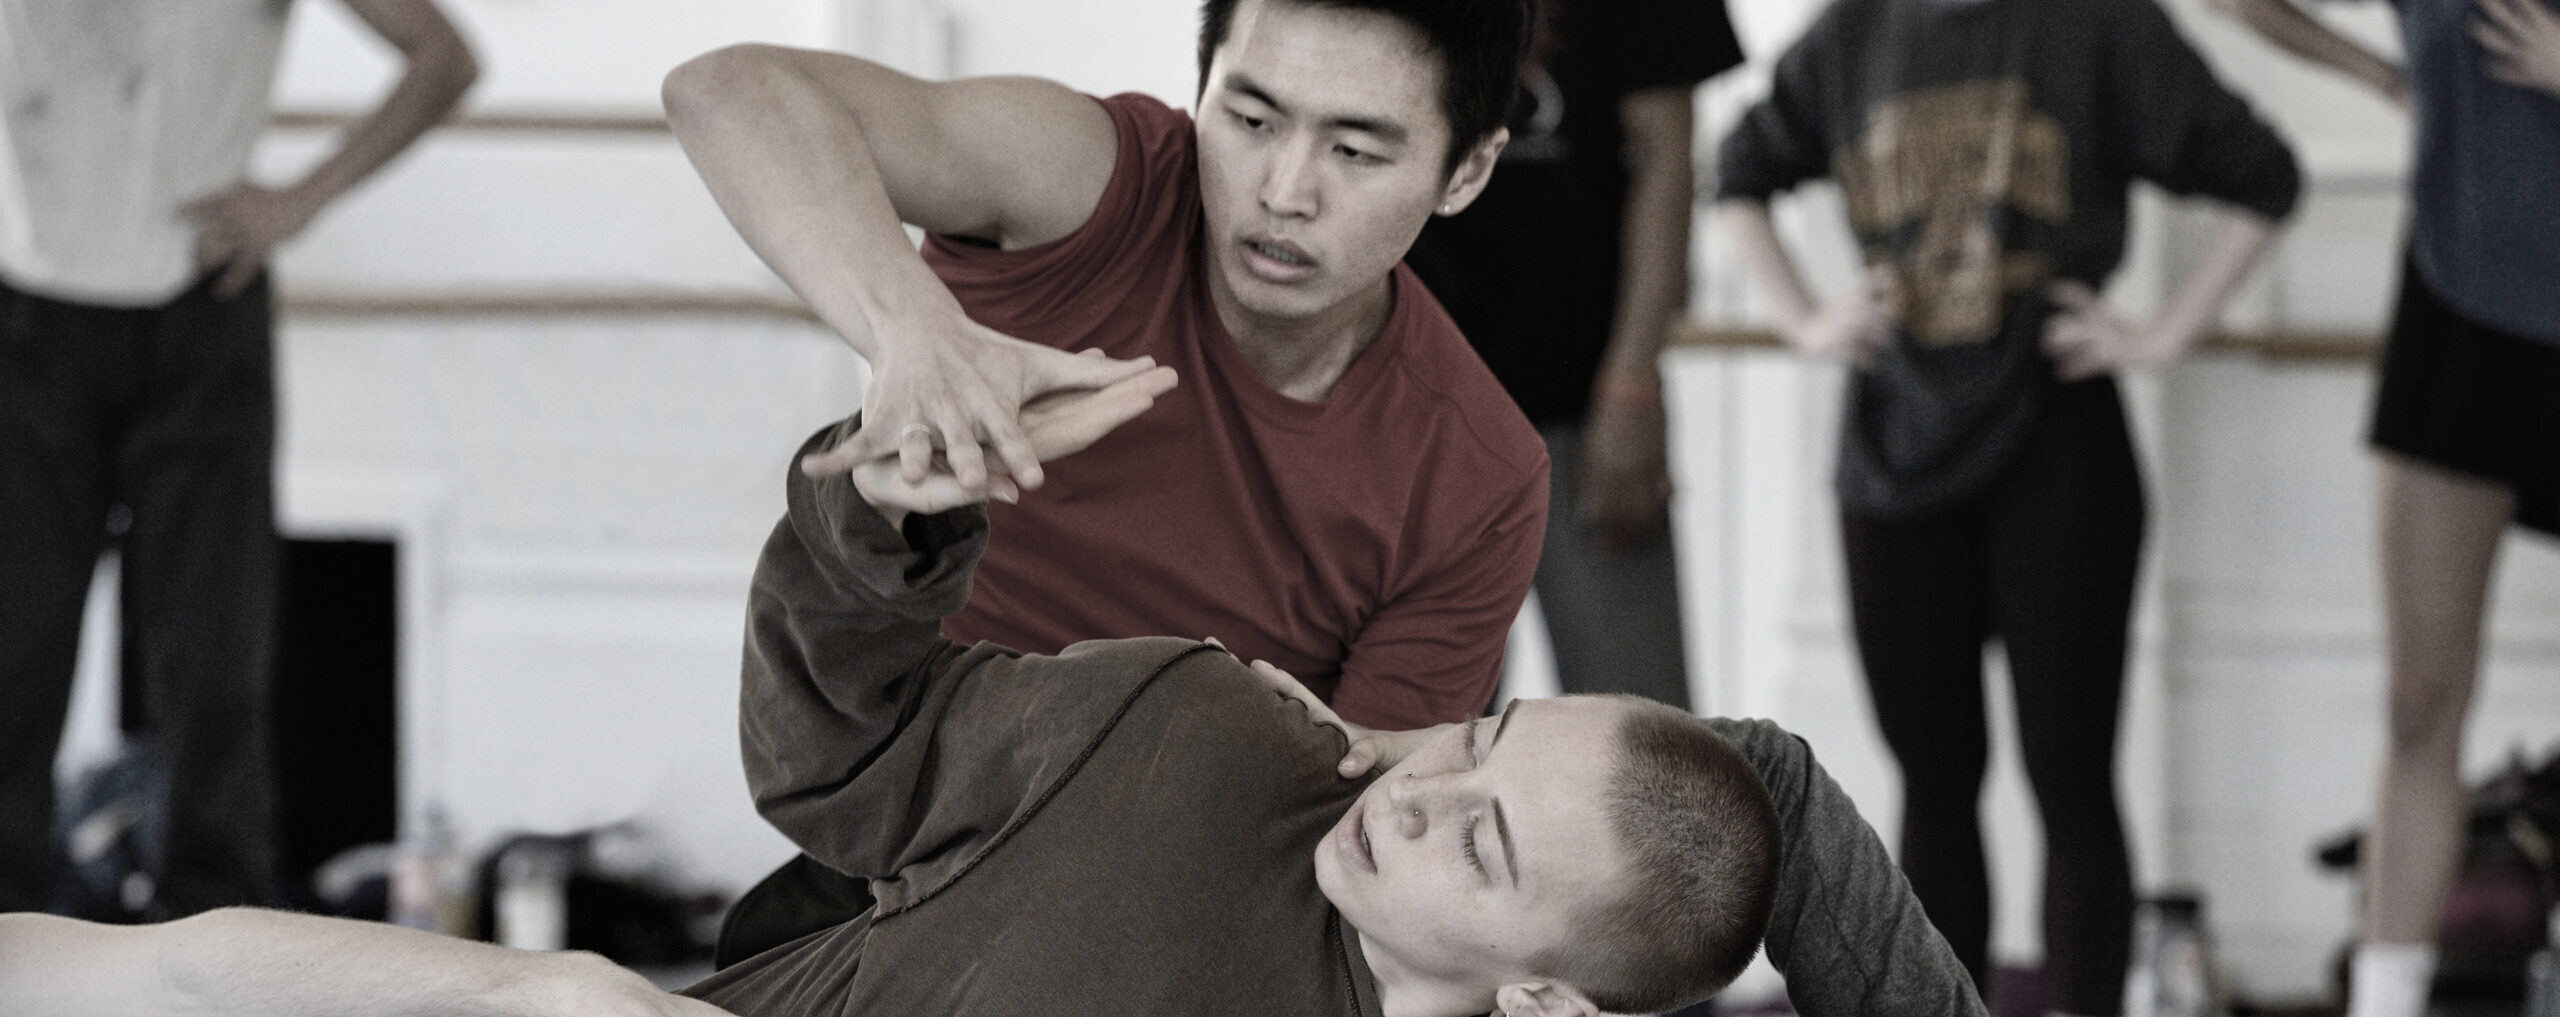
column 168, row 412
column 2044, row 561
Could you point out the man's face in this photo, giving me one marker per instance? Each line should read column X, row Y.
column 1322, row 148
column 1467, row 860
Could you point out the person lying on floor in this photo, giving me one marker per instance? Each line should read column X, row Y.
column 1152, row 826
column 1143, row 825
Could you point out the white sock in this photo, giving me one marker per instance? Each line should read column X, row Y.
column 2390, row 979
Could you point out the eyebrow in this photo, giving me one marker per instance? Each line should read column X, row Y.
column 1385, row 130
column 1502, row 824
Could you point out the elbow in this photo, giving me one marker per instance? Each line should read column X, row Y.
column 455, row 71
column 697, row 89
column 443, row 61
column 462, row 68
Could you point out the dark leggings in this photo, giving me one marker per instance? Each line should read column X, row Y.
column 2044, row 561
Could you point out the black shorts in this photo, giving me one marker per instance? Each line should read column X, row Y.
column 2470, row 398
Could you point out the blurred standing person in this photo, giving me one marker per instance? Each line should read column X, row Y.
column 1566, row 276
column 1988, row 486
column 136, row 373
column 2466, row 419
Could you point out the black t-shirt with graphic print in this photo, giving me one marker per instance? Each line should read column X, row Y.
column 1984, row 149
column 1530, row 271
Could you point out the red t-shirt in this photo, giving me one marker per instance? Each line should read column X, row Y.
column 1377, row 544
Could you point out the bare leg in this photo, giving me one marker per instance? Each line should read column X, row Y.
column 2439, row 533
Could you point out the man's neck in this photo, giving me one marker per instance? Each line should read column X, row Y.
column 1303, row 358
column 1404, row 992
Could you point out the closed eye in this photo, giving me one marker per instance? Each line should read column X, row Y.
column 1473, row 859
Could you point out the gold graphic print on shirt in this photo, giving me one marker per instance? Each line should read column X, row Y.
column 1926, row 185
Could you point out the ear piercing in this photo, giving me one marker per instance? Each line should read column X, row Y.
column 1444, row 208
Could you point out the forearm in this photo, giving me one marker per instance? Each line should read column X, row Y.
column 844, row 644
column 2236, row 248
column 1765, row 260
column 439, row 68
column 792, row 167
column 1653, row 280
column 1847, row 931
column 2290, row 29
column 278, row 964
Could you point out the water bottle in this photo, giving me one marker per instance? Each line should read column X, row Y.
column 2542, row 973
column 533, row 894
column 417, row 872
column 2172, row 961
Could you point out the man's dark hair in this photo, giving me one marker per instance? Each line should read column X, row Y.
column 1703, row 853
column 1480, row 44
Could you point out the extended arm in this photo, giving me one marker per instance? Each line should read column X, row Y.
column 845, row 659
column 241, row 227
column 2180, row 128
column 2298, row 33
column 818, row 159
column 1626, row 480
column 274, row 964
column 1847, row 933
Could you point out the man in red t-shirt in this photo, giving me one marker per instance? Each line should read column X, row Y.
column 1338, row 486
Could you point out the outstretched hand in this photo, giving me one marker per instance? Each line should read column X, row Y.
column 1370, row 750
column 962, row 395
column 1053, row 425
